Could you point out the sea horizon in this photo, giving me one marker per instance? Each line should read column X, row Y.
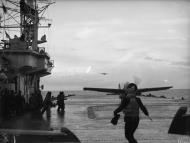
column 170, row 94
column 108, row 88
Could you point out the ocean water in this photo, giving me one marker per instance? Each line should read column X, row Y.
column 172, row 93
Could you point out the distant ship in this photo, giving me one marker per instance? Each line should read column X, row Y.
column 23, row 61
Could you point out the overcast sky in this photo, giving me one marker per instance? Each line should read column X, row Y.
column 148, row 40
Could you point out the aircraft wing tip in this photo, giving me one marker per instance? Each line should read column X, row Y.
column 85, row 88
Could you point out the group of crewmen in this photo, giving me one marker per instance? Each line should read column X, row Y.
column 48, row 102
column 36, row 101
column 13, row 103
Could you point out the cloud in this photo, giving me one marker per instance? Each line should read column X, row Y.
column 154, row 59
column 88, row 69
column 184, row 20
column 76, row 82
column 179, row 63
column 85, row 32
column 110, row 38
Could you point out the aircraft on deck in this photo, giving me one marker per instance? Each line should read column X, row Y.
column 124, row 90
column 181, row 121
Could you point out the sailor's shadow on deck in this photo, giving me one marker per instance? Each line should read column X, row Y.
column 31, row 120
column 61, row 116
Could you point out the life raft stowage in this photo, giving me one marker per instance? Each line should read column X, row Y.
column 181, row 122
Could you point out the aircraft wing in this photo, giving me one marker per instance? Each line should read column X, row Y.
column 55, row 98
column 110, row 90
column 154, row 89
column 120, row 91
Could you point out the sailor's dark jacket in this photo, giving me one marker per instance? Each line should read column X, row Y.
column 125, row 102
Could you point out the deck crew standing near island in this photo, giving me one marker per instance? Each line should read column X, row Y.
column 47, row 103
column 61, row 101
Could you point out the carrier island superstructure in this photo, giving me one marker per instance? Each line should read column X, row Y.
column 22, row 61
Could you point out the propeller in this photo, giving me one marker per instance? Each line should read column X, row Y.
column 137, row 80
column 119, row 86
column 126, row 84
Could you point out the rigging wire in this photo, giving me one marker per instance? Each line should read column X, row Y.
column 49, row 34
column 14, row 18
column 9, row 18
column 3, row 22
column 13, row 30
column 14, row 3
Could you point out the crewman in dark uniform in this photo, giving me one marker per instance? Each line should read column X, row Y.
column 47, row 103
column 61, row 101
column 130, row 106
column 33, row 102
column 19, row 103
column 39, row 99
